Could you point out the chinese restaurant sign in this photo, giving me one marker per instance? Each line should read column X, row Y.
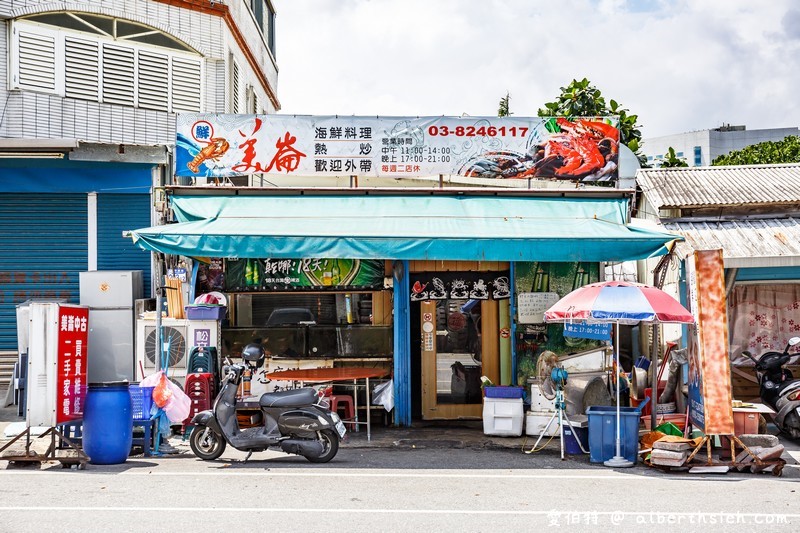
column 282, row 274
column 460, row 286
column 71, row 362
column 710, row 396
column 216, row 145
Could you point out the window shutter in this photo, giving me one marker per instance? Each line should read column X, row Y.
column 235, row 85
column 81, row 69
column 153, row 81
column 37, row 62
column 118, row 75
column 186, row 80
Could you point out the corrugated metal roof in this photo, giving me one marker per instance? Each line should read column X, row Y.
column 767, row 242
column 721, row 186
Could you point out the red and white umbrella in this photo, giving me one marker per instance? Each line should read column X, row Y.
column 618, row 302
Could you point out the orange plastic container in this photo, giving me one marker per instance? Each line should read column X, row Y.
column 679, row 419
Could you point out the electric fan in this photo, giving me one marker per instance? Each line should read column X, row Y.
column 552, row 381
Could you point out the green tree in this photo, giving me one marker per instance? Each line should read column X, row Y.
column 582, row 99
column 673, row 161
column 766, row 153
column 504, row 110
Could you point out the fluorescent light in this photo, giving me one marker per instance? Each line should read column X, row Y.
column 31, row 155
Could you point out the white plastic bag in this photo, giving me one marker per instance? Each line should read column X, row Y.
column 178, row 406
column 383, row 394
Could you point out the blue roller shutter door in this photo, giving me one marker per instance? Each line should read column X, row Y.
column 115, row 214
column 43, row 247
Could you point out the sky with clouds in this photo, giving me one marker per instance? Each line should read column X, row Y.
column 681, row 65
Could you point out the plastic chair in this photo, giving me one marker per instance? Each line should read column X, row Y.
column 341, row 401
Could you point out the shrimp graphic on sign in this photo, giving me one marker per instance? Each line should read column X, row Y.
column 215, row 147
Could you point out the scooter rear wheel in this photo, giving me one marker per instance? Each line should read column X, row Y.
column 330, row 443
column 206, row 444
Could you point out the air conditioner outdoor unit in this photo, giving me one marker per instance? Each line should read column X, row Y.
column 178, row 338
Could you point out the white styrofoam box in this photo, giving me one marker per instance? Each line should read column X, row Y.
column 503, row 417
column 538, row 400
column 536, row 421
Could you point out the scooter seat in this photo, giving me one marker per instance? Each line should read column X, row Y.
column 288, row 398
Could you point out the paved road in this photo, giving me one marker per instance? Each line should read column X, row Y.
column 376, row 489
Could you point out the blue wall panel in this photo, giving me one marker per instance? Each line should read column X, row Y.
column 43, row 247
column 115, row 214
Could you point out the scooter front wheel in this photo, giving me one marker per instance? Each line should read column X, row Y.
column 330, row 446
column 206, row 444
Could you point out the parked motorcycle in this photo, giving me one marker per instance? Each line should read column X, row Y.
column 291, row 421
column 779, row 389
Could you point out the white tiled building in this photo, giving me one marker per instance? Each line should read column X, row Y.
column 88, row 98
column 700, row 148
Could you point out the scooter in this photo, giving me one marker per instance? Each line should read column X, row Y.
column 291, row 421
column 779, row 389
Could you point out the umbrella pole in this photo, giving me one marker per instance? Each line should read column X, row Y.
column 618, row 460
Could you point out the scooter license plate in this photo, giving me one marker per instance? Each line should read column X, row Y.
column 340, row 428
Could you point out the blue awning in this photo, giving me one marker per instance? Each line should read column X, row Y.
column 404, row 226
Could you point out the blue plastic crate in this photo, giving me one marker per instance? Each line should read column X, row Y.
column 141, row 401
column 205, row 312
column 504, row 392
column 603, row 433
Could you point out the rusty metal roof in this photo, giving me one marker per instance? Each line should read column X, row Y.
column 765, row 242
column 671, row 188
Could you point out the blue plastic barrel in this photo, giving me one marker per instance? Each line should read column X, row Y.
column 107, row 423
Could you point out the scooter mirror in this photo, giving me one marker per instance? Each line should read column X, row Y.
column 794, row 340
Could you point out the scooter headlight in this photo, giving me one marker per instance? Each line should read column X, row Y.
column 322, row 421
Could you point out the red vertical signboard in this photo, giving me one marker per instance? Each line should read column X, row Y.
column 73, row 332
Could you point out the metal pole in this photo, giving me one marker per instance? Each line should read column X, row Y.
column 654, row 379
column 158, row 348
column 616, row 370
column 618, row 460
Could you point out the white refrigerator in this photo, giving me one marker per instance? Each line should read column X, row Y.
column 110, row 296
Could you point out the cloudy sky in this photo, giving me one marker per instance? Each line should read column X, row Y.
column 681, row 65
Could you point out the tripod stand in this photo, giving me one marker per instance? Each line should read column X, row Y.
column 559, row 377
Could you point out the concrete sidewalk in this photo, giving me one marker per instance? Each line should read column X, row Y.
column 449, row 435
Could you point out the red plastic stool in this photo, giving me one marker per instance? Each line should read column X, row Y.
column 341, row 401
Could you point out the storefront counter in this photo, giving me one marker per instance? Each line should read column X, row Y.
column 311, row 341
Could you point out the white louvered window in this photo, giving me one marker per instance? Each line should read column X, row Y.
column 186, row 80
column 118, row 75
column 153, row 81
column 37, row 61
column 123, row 72
column 81, row 69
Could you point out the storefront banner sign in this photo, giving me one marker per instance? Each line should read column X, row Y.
column 218, row 145
column 242, row 275
column 460, row 286
column 73, row 334
column 601, row 332
column 710, row 396
column 532, row 305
